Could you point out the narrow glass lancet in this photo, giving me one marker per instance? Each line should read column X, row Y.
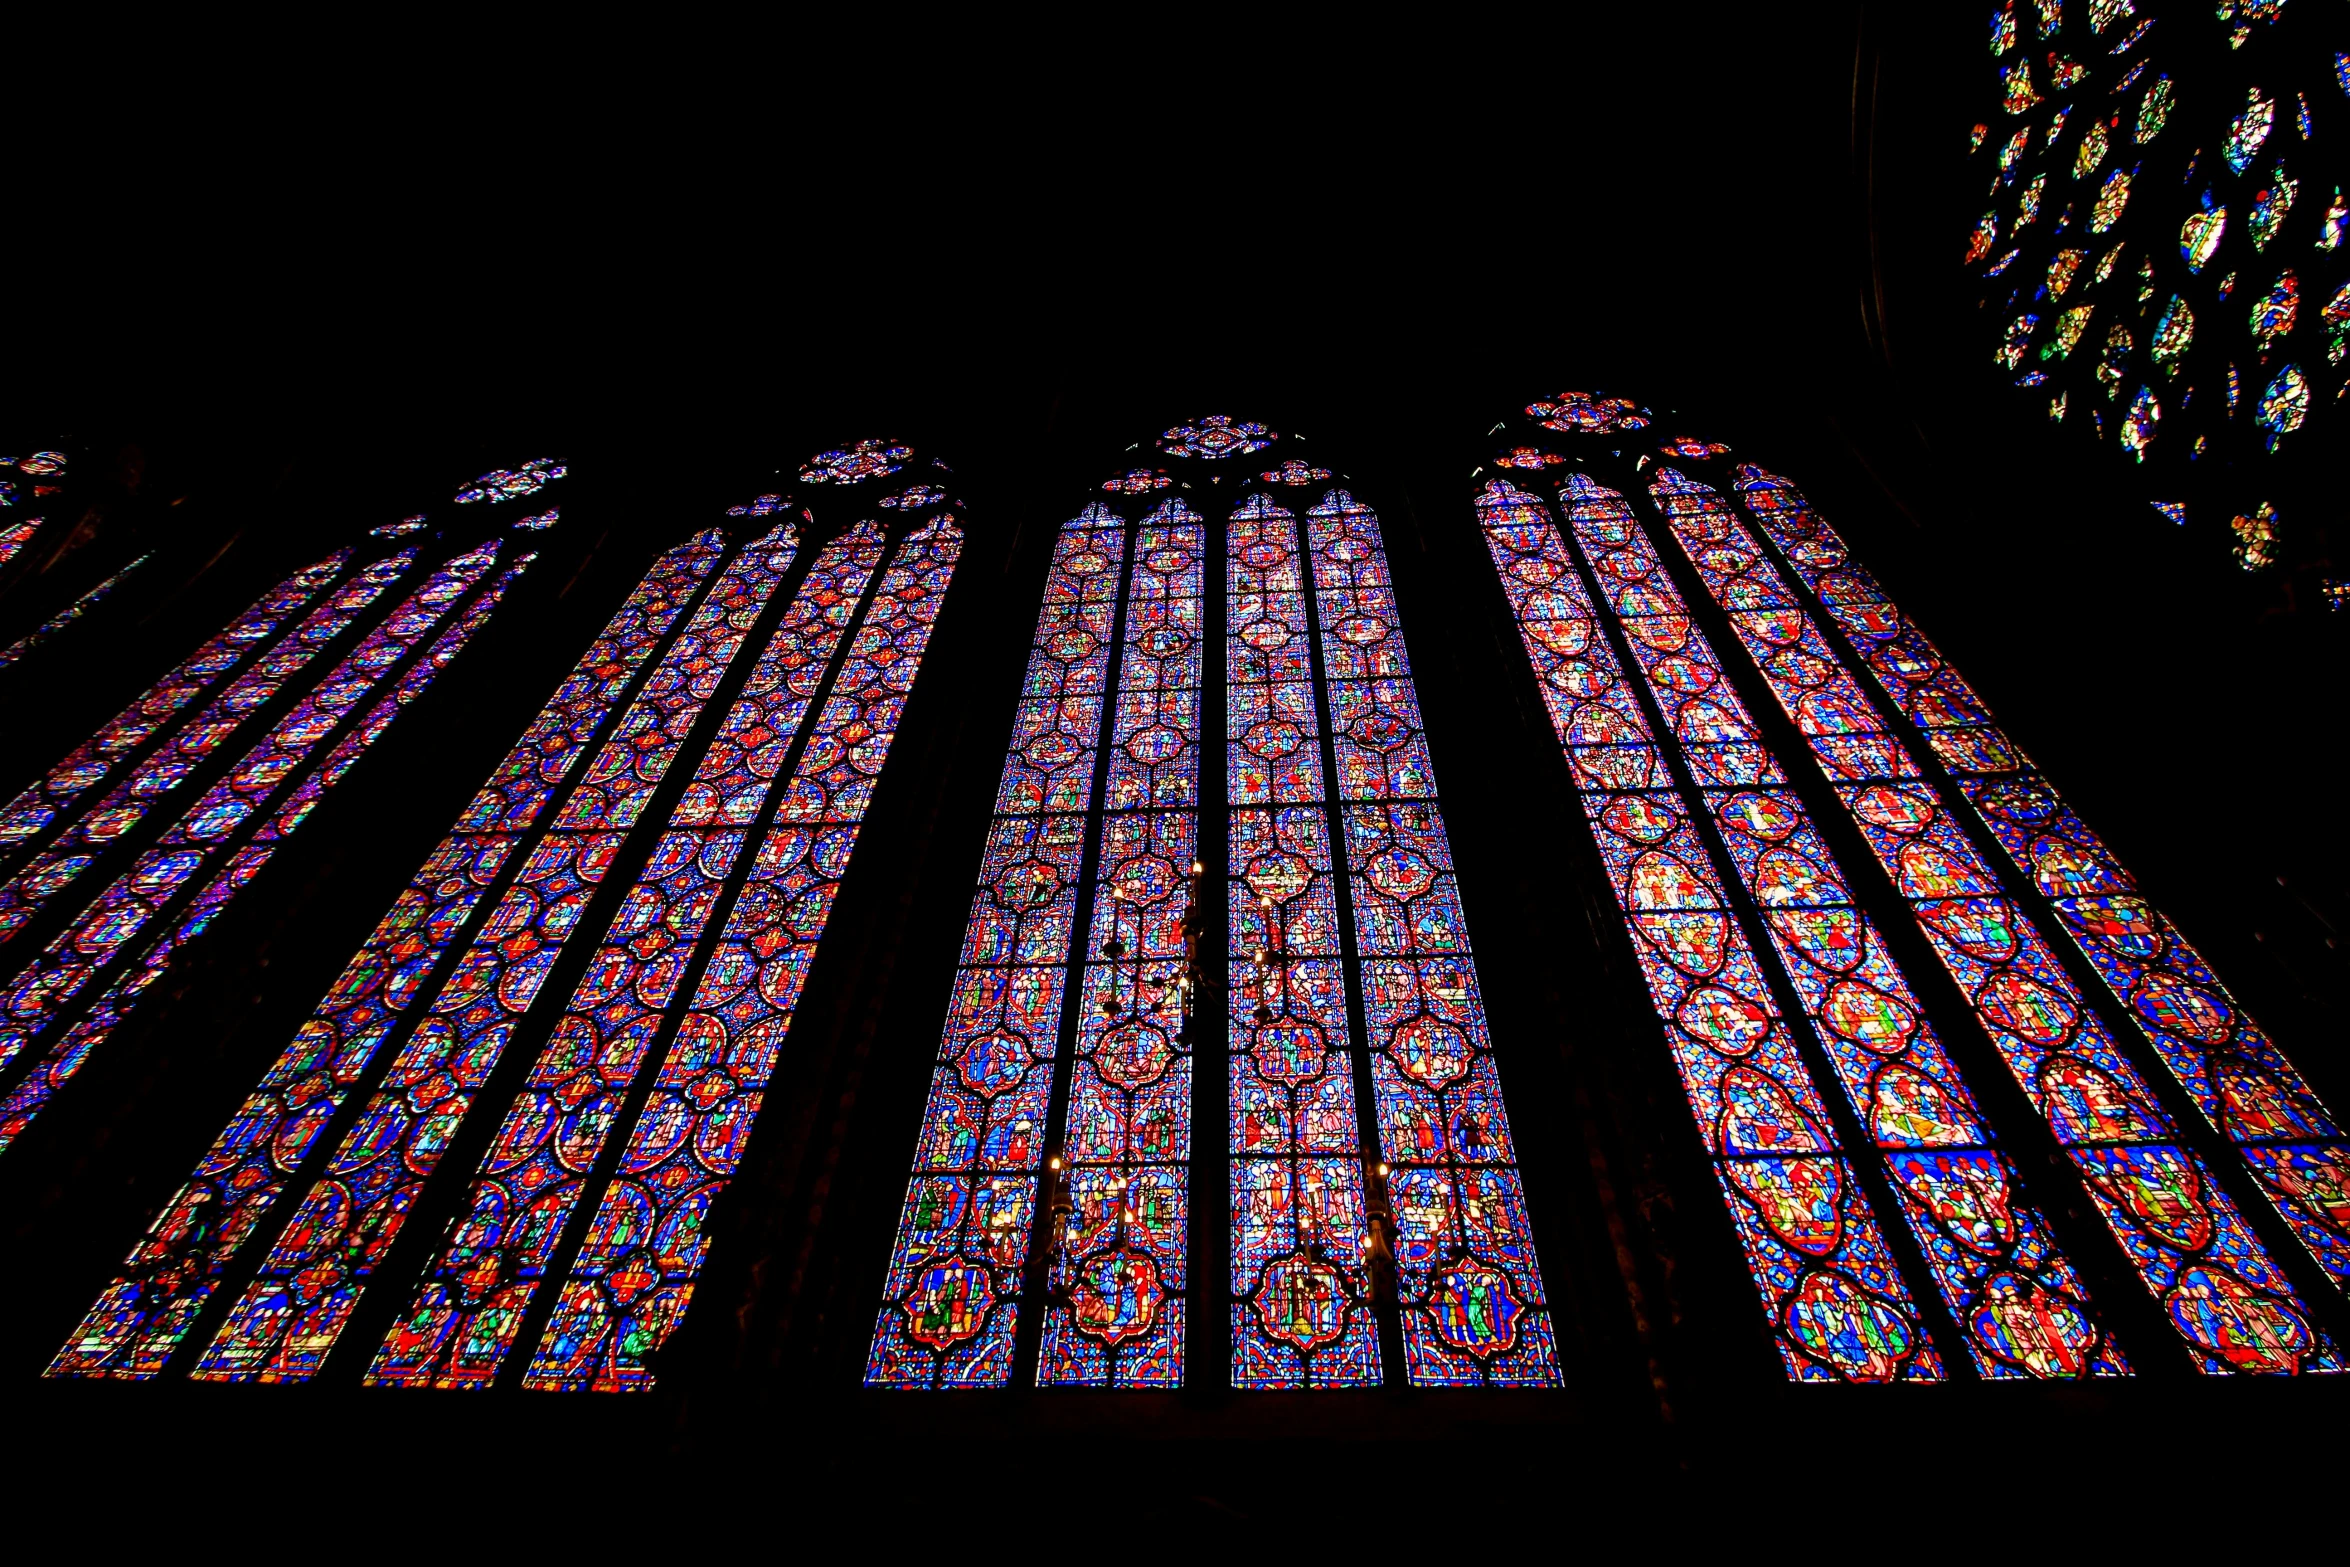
column 461, row 1319
column 1469, row 1288
column 284, row 1323
column 1301, row 1291
column 951, row 1302
column 142, row 1317
column 68, row 615
column 634, row 1275
column 92, row 763
column 2019, row 1301
column 14, row 536
column 2236, row 1075
column 70, row 853
column 2223, row 1292
column 224, row 839
column 1838, row 1306
column 1114, row 1313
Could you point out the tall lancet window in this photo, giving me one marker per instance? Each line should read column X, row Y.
column 774, row 654
column 1215, row 1096
column 1825, row 864
column 128, row 848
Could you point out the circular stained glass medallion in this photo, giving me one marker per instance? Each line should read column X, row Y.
column 1218, row 435
column 1295, row 472
column 854, row 464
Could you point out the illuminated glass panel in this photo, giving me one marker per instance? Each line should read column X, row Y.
column 210, row 847
column 1301, row 1293
column 141, row 1318
column 952, row 1299
column 2007, row 1282
column 91, row 600
column 15, row 536
column 282, row 1325
column 2238, row 1078
column 1473, row 1308
column 1838, row 1307
column 1218, row 435
column 2225, row 1295
column 121, row 811
column 462, row 1318
column 1114, row 1310
column 157, row 708
column 634, row 1275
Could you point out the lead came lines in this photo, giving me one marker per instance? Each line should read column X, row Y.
column 170, row 1275
column 2021, row 1304
column 462, row 1318
column 1839, row 1308
column 1115, row 1303
column 2189, row 1245
column 2242, row 1084
column 634, row 1275
column 290, row 1316
column 951, row 1299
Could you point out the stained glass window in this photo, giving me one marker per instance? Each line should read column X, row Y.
column 68, row 615
column 1837, row 1303
column 2178, row 1225
column 263, row 751
column 685, row 1006
column 1218, row 435
column 1363, row 1164
column 2188, row 156
column 507, row 484
column 868, row 459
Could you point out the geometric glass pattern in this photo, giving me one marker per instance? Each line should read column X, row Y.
column 636, row 1110
column 1838, row 1306
column 2183, row 1234
column 2021, row 1306
column 2236, row 1076
column 1061, row 1113
column 101, row 963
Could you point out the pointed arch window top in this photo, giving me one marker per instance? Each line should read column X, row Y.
column 1293, row 471
column 507, row 484
column 1140, row 481
column 1582, row 413
column 868, row 459
column 1218, row 435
